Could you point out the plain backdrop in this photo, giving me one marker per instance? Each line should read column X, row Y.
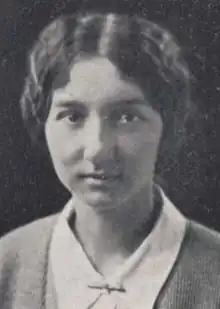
column 28, row 185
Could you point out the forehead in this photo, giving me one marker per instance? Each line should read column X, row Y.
column 96, row 81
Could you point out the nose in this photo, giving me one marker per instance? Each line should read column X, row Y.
column 99, row 143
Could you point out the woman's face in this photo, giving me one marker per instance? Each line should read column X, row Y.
column 102, row 134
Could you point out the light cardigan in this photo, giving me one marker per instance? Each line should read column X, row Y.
column 26, row 280
column 74, row 274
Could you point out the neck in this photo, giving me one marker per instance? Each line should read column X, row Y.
column 114, row 234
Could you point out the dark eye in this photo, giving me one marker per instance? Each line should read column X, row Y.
column 128, row 117
column 75, row 117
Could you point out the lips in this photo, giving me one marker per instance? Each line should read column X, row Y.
column 99, row 176
column 100, row 180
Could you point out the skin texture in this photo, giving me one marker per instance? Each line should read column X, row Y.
column 101, row 123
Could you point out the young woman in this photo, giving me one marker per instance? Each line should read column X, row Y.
column 108, row 95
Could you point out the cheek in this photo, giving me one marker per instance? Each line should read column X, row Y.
column 63, row 145
column 139, row 143
column 62, row 152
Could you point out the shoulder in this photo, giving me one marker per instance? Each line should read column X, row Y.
column 26, row 239
column 23, row 260
column 195, row 277
column 202, row 239
column 200, row 253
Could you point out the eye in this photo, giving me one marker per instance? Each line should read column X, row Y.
column 73, row 117
column 128, row 117
column 125, row 117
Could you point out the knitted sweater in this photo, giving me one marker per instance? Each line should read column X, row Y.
column 27, row 283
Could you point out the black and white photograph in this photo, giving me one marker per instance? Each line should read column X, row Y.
column 110, row 154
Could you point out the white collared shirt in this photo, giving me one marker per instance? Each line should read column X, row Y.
column 142, row 275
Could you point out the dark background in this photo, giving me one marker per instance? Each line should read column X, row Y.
column 28, row 186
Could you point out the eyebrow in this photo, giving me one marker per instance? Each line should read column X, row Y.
column 133, row 101
column 68, row 102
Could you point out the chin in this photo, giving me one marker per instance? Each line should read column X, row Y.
column 99, row 200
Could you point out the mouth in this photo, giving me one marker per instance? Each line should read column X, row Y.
column 99, row 178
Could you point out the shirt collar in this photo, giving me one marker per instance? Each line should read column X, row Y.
column 151, row 262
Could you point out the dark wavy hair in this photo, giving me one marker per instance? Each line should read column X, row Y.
column 139, row 48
